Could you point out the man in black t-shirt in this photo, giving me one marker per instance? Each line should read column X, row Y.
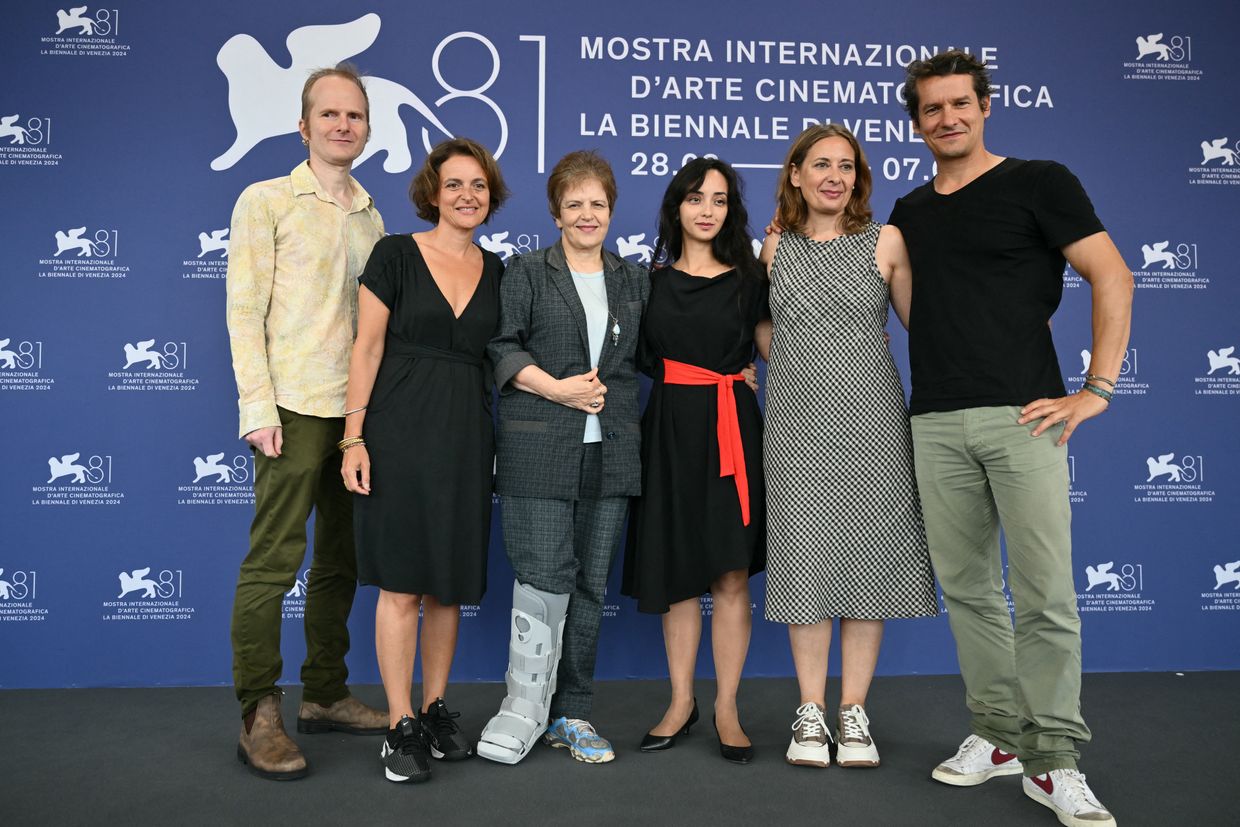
column 988, row 239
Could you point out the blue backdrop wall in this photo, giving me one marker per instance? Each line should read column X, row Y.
column 127, row 132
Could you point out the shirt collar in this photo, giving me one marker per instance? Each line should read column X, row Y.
column 305, row 182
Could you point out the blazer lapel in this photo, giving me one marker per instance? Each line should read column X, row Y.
column 562, row 278
column 613, row 278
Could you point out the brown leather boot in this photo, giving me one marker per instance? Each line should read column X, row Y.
column 266, row 749
column 346, row 715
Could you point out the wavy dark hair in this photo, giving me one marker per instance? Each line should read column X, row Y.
column 955, row 62
column 425, row 184
column 733, row 244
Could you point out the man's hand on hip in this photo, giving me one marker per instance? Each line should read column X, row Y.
column 1070, row 410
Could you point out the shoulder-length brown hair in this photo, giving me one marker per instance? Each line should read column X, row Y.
column 791, row 211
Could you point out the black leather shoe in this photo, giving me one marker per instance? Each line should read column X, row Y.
column 737, row 755
column 658, row 743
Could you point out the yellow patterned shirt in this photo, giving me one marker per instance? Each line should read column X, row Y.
column 293, row 263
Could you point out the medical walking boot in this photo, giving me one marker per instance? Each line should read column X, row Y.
column 533, row 656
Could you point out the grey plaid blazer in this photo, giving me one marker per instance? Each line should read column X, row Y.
column 542, row 322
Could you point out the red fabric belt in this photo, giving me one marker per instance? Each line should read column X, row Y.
column 731, row 449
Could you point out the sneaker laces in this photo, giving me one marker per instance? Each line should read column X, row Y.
column 444, row 721
column 853, row 723
column 809, row 722
column 1073, row 787
column 407, row 742
column 584, row 728
column 970, row 748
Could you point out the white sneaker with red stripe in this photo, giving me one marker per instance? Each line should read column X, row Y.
column 1066, row 792
column 976, row 761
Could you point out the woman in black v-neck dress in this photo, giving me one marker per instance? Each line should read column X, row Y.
column 419, row 445
column 425, row 527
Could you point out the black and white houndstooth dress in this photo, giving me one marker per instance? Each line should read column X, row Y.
column 845, row 536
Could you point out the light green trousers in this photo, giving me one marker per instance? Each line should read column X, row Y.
column 979, row 471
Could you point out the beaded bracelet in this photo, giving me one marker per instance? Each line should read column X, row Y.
column 349, row 442
column 1097, row 391
column 1092, row 378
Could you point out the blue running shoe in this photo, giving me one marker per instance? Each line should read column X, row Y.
column 580, row 739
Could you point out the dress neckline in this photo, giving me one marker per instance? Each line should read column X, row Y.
column 469, row 303
column 689, row 275
column 867, row 228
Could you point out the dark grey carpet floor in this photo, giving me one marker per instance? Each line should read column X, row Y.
column 1164, row 753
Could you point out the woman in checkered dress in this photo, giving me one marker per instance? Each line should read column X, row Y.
column 845, row 533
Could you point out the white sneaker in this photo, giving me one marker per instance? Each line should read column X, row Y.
column 854, row 746
column 1066, row 792
column 810, row 738
column 976, row 761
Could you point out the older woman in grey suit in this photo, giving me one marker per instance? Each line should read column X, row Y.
column 567, row 458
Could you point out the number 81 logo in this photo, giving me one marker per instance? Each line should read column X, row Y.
column 19, row 585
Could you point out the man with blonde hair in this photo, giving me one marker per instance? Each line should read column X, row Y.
column 298, row 245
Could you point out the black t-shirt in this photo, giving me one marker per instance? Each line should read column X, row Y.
column 987, row 277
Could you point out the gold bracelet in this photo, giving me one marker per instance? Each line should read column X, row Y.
column 1095, row 378
column 349, row 442
column 355, row 410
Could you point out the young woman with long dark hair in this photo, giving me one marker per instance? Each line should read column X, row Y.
column 700, row 525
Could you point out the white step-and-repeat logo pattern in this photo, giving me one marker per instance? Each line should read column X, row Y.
column 122, row 156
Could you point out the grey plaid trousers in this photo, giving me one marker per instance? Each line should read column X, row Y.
column 567, row 547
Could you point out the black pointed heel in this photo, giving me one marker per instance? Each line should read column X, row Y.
column 737, row 755
column 658, row 743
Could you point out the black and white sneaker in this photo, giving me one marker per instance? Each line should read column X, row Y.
column 404, row 753
column 443, row 736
